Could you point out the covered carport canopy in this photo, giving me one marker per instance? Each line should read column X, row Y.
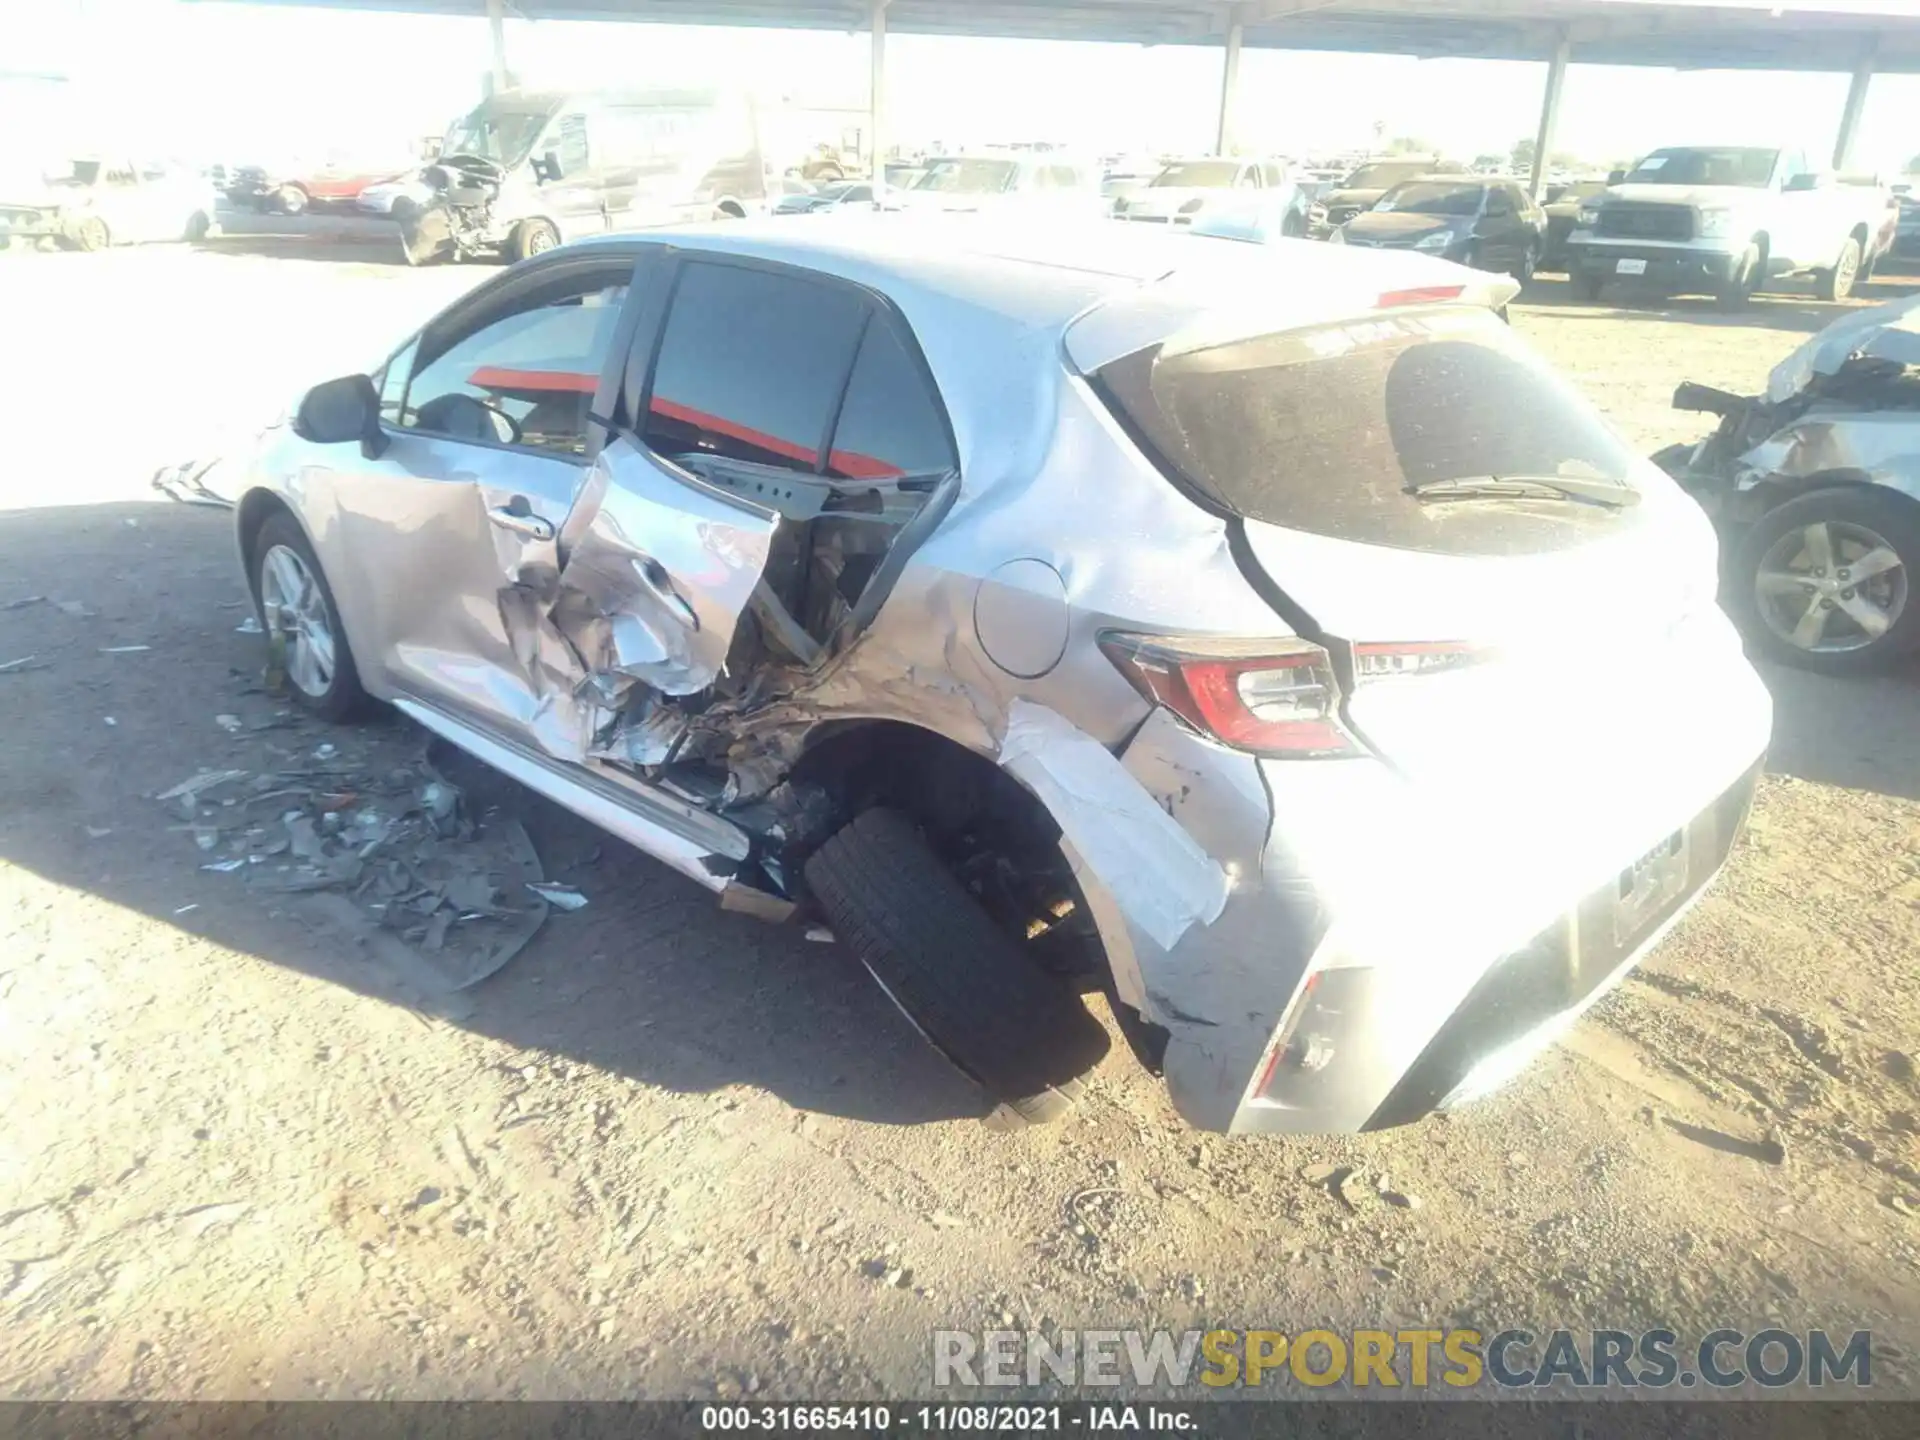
column 1856, row 37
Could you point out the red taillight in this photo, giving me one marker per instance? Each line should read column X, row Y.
column 1420, row 295
column 1269, row 697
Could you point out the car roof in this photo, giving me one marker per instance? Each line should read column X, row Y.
column 1027, row 276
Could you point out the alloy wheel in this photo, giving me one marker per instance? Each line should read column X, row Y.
column 297, row 620
column 1830, row 586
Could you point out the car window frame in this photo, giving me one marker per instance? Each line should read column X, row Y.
column 650, row 335
column 489, row 302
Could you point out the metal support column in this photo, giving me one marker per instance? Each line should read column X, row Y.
column 1549, row 114
column 497, row 32
column 1229, row 85
column 1850, row 114
column 877, row 106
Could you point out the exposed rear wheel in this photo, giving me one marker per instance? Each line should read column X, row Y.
column 290, row 200
column 91, row 234
column 1824, row 581
column 965, row 985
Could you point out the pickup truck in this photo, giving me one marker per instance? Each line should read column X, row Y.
column 1725, row 220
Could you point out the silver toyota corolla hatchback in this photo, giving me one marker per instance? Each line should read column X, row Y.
column 1264, row 636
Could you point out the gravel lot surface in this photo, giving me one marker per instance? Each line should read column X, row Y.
column 672, row 1152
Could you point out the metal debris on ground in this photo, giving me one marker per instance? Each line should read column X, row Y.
column 229, row 723
column 23, row 602
column 438, row 897
column 561, row 897
column 249, row 626
column 123, row 649
column 25, row 662
column 74, row 608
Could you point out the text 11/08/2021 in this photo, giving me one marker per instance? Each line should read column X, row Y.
column 940, row 1419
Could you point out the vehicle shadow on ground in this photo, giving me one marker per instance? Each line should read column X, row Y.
column 1794, row 307
column 354, row 249
column 650, row 981
column 1857, row 732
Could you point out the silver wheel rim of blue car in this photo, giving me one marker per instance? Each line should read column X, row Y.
column 1831, row 586
column 296, row 615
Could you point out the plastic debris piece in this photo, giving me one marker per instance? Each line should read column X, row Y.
column 326, row 751
column 439, row 799
column 561, row 897
column 99, row 832
column 75, row 609
column 205, row 780
column 228, row 723
column 207, row 837
column 123, row 649
column 250, row 626
column 184, row 909
column 820, row 935
column 111, row 721
column 25, row 662
column 226, row 867
column 23, row 602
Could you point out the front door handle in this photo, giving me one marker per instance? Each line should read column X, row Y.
column 517, row 518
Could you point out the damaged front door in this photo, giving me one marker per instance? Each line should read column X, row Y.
column 451, row 535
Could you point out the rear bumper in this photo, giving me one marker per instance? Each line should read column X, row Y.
column 1670, row 267
column 1381, row 954
column 31, row 225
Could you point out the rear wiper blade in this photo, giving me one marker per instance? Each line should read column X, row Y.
column 1527, row 487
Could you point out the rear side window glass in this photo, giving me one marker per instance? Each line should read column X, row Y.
column 1329, row 429
column 751, row 366
column 891, row 424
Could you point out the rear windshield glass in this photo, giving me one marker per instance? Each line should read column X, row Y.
column 1705, row 167
column 1201, row 174
column 967, row 177
column 1330, row 429
column 1422, row 197
column 1382, row 176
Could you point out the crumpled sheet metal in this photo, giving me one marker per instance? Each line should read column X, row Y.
column 619, row 601
column 1162, row 880
column 1883, row 445
column 1886, row 332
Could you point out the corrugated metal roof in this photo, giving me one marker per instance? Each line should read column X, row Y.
column 1692, row 34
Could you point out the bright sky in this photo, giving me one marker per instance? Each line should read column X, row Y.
column 233, row 81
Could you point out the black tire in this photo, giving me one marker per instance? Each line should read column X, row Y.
column 1892, row 517
column 344, row 698
column 964, row 983
column 1837, row 282
column 199, row 227
column 1587, row 286
column 530, row 238
column 92, row 234
column 1738, row 289
column 1528, row 263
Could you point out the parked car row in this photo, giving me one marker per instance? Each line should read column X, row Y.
column 110, row 200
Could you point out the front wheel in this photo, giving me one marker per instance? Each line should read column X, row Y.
column 1737, row 289
column 1823, row 582
column 305, row 641
column 1837, row 283
column 963, row 983
column 1528, row 263
column 91, row 234
column 531, row 238
column 290, row 200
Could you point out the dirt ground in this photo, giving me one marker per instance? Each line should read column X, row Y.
column 673, row 1152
